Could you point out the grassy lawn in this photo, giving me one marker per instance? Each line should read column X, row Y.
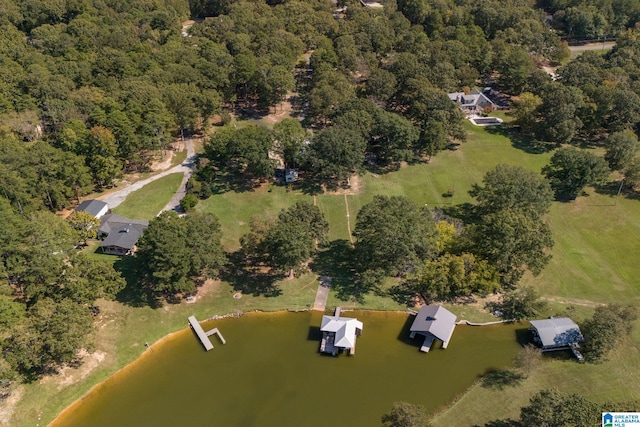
column 594, row 261
column 147, row 202
column 615, row 379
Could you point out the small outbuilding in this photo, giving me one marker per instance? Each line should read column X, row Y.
column 94, row 207
column 433, row 322
column 339, row 333
column 556, row 333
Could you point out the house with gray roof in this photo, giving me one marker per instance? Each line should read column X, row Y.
column 473, row 102
column 433, row 322
column 96, row 208
column 339, row 333
column 120, row 234
column 556, row 333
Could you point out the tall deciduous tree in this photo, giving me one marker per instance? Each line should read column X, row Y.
column 290, row 139
column 513, row 187
column 404, row 414
column 571, row 170
column 336, row 154
column 50, row 336
column 552, row 408
column 173, row 251
column 609, row 325
column 85, row 225
column 393, row 234
column 621, row 148
column 291, row 240
column 513, row 242
column 452, row 276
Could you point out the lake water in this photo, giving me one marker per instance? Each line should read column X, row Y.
column 270, row 374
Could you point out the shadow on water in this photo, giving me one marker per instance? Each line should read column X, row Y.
column 403, row 335
column 523, row 335
column 314, row 334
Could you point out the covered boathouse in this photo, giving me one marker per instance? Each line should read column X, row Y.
column 433, row 322
column 557, row 333
column 339, row 333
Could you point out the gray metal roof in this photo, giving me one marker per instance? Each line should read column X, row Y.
column 435, row 320
column 557, row 331
column 94, row 207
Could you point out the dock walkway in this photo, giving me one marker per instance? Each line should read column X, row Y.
column 204, row 336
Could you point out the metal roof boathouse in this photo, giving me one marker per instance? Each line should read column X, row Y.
column 557, row 333
column 339, row 333
column 433, row 322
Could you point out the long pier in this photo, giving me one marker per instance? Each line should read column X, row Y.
column 204, row 336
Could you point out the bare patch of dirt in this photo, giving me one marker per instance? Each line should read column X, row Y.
column 69, row 375
column 8, row 406
column 356, row 185
column 164, row 162
column 209, row 285
column 282, row 111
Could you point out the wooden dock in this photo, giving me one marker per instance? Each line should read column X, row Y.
column 204, row 336
column 326, row 345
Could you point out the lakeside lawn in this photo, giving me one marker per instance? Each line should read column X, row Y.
column 594, row 261
column 148, row 201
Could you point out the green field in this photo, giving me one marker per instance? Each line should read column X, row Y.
column 147, row 202
column 594, row 261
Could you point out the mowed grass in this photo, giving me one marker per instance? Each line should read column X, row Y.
column 594, row 261
column 614, row 380
column 147, row 202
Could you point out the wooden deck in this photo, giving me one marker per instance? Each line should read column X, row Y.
column 326, row 345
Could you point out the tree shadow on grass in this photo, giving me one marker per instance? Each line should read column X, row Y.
column 224, row 182
column 502, row 423
column 402, row 295
column 250, row 279
column 336, row 261
column 465, row 212
column 500, row 379
column 520, row 141
column 134, row 294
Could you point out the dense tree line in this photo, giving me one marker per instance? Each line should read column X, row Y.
column 48, row 293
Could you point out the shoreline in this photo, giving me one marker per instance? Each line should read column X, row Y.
column 142, row 357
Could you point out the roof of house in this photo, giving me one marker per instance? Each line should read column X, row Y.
column 344, row 328
column 114, row 222
column 557, row 331
column 474, row 98
column 93, row 206
column 121, row 232
column 435, row 320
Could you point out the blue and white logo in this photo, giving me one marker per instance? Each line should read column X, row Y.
column 607, row 420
